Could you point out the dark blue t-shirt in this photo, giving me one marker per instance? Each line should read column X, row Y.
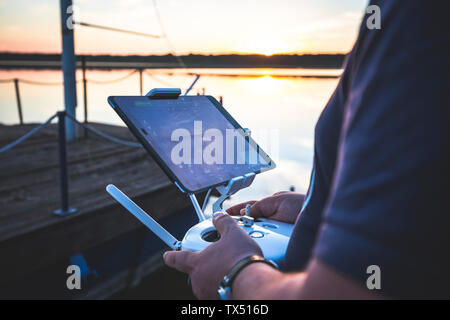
column 380, row 187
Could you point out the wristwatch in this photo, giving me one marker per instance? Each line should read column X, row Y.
column 224, row 291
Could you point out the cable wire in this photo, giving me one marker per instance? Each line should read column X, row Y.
column 164, row 34
column 96, row 26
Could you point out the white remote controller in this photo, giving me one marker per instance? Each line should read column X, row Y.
column 272, row 236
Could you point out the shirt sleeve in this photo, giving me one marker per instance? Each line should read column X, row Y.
column 389, row 203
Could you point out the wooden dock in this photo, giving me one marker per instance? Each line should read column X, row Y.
column 31, row 237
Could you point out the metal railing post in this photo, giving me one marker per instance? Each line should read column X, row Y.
column 19, row 104
column 63, row 177
column 68, row 59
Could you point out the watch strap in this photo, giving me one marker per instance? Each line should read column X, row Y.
column 227, row 281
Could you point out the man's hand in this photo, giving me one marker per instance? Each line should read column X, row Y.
column 282, row 206
column 208, row 267
column 258, row 281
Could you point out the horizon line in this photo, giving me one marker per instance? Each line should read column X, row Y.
column 188, row 54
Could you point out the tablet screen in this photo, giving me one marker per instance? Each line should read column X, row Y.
column 201, row 145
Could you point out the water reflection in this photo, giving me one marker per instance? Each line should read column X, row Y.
column 264, row 100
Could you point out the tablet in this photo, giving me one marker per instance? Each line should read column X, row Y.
column 192, row 138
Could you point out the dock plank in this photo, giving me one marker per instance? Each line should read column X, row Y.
column 29, row 192
column 30, row 175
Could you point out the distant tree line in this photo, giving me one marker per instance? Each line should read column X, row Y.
column 199, row 60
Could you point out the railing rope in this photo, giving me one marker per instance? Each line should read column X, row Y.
column 62, row 153
column 166, row 83
column 45, row 83
column 40, row 83
column 27, row 135
column 105, row 135
column 97, row 132
column 113, row 80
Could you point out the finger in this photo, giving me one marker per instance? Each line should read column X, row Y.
column 280, row 192
column 263, row 208
column 236, row 210
column 223, row 222
column 180, row 260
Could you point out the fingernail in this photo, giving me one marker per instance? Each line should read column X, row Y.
column 218, row 214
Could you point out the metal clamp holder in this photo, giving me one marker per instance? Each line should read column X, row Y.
column 233, row 186
column 225, row 190
column 164, row 93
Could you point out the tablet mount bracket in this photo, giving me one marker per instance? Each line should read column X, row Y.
column 225, row 191
column 164, row 93
column 233, row 186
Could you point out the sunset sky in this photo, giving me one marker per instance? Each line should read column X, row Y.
column 196, row 26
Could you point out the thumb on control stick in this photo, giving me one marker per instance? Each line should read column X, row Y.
column 223, row 222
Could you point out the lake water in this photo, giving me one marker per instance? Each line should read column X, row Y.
column 279, row 107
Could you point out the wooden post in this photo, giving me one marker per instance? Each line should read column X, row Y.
column 19, row 104
column 141, row 89
column 63, row 174
column 64, row 186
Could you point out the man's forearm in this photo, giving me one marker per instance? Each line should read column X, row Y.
column 261, row 281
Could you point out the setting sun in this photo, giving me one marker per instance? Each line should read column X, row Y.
column 268, row 47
